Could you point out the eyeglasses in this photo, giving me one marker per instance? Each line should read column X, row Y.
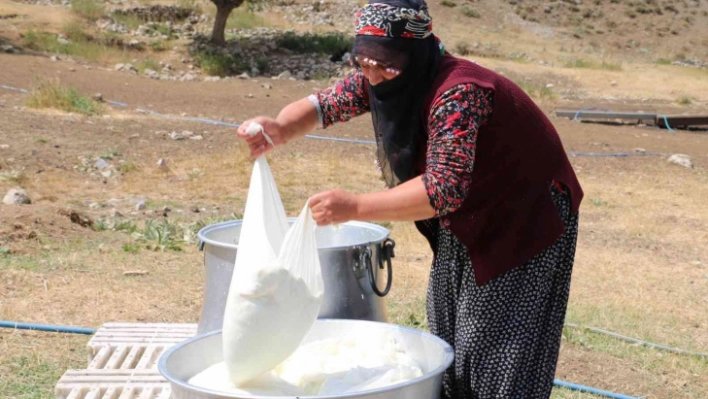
column 365, row 62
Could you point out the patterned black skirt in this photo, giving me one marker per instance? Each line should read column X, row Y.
column 506, row 334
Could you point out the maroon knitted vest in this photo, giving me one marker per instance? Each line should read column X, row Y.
column 508, row 216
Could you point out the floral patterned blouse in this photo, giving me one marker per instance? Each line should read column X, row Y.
column 455, row 119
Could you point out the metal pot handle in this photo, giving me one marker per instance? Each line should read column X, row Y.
column 386, row 256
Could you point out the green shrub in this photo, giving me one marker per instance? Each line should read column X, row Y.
column 684, row 100
column 159, row 46
column 47, row 94
column 148, row 63
column 81, row 46
column 470, row 12
column 217, row 64
column 578, row 63
column 244, row 18
column 89, row 9
column 610, row 66
column 129, row 20
column 327, row 43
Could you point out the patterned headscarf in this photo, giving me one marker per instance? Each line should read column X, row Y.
column 398, row 33
column 378, row 19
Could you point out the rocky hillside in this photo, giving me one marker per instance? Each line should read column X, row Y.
column 646, row 30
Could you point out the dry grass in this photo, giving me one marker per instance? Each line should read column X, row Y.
column 52, row 94
column 641, row 267
column 633, row 82
column 88, row 9
column 79, row 45
column 631, row 272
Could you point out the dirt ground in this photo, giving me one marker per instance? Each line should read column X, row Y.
column 642, row 260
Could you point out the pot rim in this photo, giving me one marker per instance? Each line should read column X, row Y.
column 202, row 234
column 449, row 358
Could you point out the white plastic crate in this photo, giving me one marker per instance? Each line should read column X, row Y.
column 122, row 362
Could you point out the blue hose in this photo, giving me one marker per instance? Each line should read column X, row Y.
column 638, row 341
column 594, row 391
column 46, row 327
column 309, row 136
column 666, row 122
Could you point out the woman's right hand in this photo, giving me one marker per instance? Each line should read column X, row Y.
column 257, row 143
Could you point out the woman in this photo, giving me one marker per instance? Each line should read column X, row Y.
column 482, row 172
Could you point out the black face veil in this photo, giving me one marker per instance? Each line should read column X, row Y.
column 396, row 104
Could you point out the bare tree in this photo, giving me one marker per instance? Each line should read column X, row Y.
column 223, row 10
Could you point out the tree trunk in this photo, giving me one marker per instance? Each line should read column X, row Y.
column 222, row 15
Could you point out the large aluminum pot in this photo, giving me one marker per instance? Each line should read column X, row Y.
column 355, row 259
column 185, row 360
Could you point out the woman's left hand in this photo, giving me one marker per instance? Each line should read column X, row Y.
column 336, row 206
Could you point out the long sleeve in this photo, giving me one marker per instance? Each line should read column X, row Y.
column 454, row 121
column 342, row 101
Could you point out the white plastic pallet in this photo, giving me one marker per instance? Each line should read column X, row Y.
column 134, row 345
column 112, row 384
column 122, row 362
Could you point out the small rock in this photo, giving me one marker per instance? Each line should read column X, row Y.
column 107, row 173
column 7, row 48
column 54, row 58
column 166, row 209
column 300, row 75
column 140, row 206
column 285, row 75
column 4, row 146
column 212, row 79
column 194, row 209
column 136, row 273
column 63, row 41
column 116, row 214
column 549, row 86
column 149, row 212
column 681, row 160
column 187, row 133
column 113, row 202
column 101, row 164
column 98, row 97
column 190, row 77
column 94, row 205
column 119, row 67
column 176, row 136
column 267, row 86
column 151, row 74
column 16, row 196
column 244, row 76
column 640, row 150
column 197, row 137
column 613, row 83
column 162, row 165
column 249, row 95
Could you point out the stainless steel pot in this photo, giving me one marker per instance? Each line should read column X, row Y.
column 355, row 257
column 185, row 360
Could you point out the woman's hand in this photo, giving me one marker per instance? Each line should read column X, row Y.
column 258, row 144
column 336, row 206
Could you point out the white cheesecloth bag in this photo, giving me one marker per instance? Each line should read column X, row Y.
column 277, row 287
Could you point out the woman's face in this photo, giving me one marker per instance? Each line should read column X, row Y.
column 375, row 71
